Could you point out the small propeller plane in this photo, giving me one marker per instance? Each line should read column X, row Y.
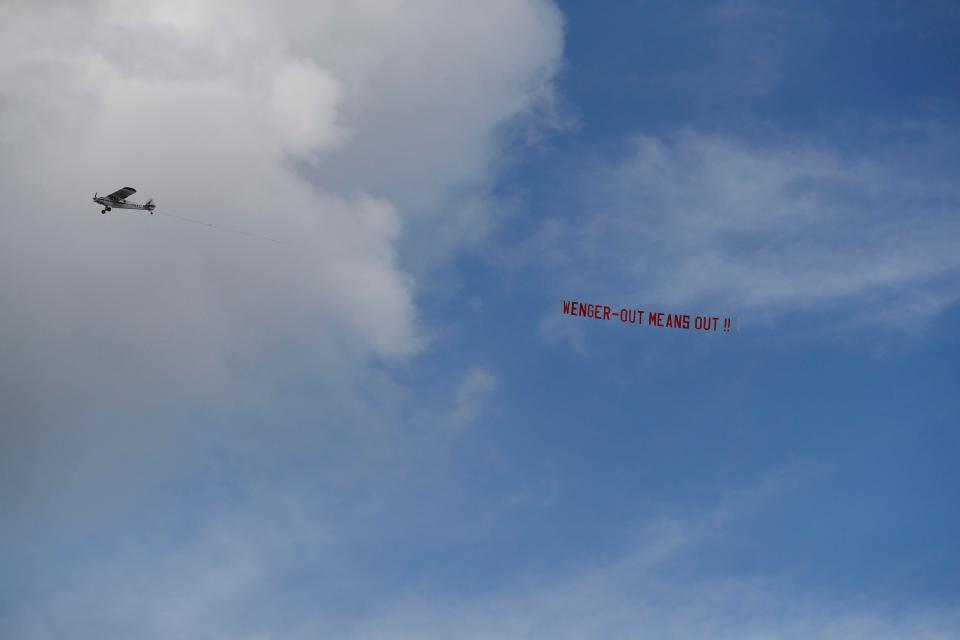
column 118, row 200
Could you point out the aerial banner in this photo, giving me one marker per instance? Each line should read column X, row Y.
column 651, row 318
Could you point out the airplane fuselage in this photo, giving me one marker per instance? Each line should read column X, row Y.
column 122, row 204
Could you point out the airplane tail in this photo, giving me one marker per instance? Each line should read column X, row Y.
column 150, row 206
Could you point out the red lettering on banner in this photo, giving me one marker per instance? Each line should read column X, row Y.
column 654, row 318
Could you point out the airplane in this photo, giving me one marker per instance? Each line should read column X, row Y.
column 118, row 200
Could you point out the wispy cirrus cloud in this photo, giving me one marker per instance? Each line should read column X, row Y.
column 243, row 575
column 701, row 220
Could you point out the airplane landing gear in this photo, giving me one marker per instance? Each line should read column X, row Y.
column 104, row 211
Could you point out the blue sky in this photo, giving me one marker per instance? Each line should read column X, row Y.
column 397, row 434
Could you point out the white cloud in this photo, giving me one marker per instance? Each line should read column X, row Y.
column 476, row 386
column 323, row 124
column 304, row 107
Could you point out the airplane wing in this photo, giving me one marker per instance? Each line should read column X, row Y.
column 122, row 194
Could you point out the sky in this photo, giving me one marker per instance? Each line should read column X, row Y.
column 382, row 426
